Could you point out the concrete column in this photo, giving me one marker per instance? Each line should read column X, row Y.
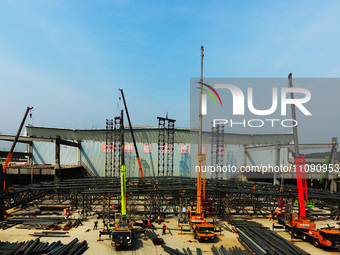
column 277, row 163
column 79, row 153
column 30, row 159
column 30, row 150
column 2, row 211
column 57, row 159
column 244, row 155
column 333, row 160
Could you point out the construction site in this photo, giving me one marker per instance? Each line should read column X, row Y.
column 146, row 190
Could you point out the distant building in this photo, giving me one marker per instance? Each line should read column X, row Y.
column 88, row 149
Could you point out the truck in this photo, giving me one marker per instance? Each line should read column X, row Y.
column 203, row 231
column 298, row 226
column 121, row 237
column 320, row 238
column 325, row 238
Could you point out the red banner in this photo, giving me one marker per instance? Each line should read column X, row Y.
column 147, row 148
column 184, row 149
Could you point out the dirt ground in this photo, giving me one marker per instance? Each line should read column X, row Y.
column 140, row 246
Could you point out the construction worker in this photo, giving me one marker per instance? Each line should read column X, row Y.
column 164, row 228
column 95, row 225
column 108, row 227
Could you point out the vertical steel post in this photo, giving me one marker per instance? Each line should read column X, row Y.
column 57, row 171
column 2, row 206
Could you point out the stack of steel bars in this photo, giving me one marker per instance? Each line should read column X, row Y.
column 261, row 240
column 153, row 236
column 51, row 234
column 173, row 251
column 232, row 251
column 36, row 247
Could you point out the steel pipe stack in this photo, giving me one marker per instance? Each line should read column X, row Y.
column 232, row 251
column 36, row 247
column 263, row 241
column 172, row 251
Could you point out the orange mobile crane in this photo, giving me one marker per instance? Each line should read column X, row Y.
column 202, row 229
column 298, row 223
column 299, row 226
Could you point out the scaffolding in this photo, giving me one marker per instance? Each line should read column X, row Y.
column 116, row 147
column 161, row 146
column 109, row 147
column 166, row 133
column 217, row 148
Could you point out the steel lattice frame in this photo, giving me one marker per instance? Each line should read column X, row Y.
column 116, row 147
column 217, row 149
column 161, row 146
column 109, row 147
column 174, row 193
column 170, row 152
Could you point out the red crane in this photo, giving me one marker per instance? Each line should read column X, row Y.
column 10, row 154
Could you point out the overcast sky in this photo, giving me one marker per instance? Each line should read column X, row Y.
column 67, row 59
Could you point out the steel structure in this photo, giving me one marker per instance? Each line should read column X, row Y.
column 166, row 133
column 109, row 147
column 116, row 147
column 174, row 193
column 161, row 146
column 171, row 139
column 217, row 148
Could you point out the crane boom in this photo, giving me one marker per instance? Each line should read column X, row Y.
column 200, row 157
column 10, row 154
column 122, row 168
column 133, row 137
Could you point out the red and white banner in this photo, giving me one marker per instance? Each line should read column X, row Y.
column 221, row 150
column 129, row 148
column 166, row 149
column 147, row 148
column 184, row 149
column 110, row 150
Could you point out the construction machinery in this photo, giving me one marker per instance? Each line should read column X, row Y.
column 202, row 229
column 299, row 226
column 10, row 154
column 133, row 137
column 122, row 234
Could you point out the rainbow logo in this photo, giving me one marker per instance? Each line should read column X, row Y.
column 209, row 93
